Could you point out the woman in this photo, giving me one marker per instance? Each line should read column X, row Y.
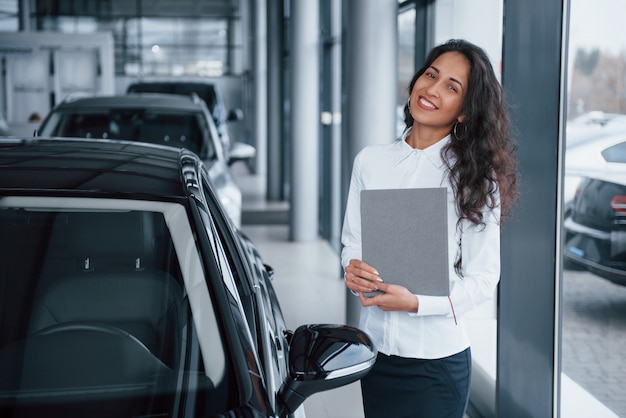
column 456, row 136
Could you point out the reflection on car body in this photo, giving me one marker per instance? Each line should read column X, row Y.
column 127, row 291
column 172, row 120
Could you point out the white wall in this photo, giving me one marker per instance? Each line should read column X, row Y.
column 82, row 63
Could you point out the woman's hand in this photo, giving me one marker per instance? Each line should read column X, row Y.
column 395, row 298
column 360, row 277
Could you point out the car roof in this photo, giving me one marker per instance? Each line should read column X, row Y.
column 587, row 160
column 206, row 90
column 93, row 168
column 202, row 84
column 135, row 100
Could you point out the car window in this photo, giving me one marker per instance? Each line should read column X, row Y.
column 176, row 129
column 224, row 255
column 257, row 297
column 239, row 293
column 96, row 311
column 615, row 153
column 237, row 280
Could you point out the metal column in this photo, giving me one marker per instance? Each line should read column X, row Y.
column 24, row 10
column 305, row 119
column 370, row 76
column 528, row 368
column 275, row 100
column 259, row 52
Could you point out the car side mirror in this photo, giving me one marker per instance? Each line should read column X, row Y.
column 240, row 152
column 323, row 357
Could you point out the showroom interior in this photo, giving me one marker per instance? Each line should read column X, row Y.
column 318, row 80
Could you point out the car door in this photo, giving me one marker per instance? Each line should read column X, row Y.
column 262, row 310
column 273, row 342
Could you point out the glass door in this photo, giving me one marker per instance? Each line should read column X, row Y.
column 594, row 218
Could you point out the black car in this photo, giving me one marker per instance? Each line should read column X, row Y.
column 595, row 219
column 126, row 291
column 207, row 91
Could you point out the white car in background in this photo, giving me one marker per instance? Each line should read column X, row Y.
column 165, row 119
column 585, row 138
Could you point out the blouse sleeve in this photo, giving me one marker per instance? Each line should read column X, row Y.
column 351, row 231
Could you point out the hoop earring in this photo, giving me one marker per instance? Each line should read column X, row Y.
column 456, row 134
column 408, row 104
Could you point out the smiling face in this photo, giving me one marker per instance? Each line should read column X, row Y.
column 437, row 97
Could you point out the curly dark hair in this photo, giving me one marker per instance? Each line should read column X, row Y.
column 482, row 152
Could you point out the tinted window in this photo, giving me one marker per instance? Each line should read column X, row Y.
column 256, row 295
column 182, row 130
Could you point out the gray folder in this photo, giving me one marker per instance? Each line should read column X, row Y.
column 405, row 237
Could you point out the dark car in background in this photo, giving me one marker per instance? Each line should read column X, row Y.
column 207, row 91
column 165, row 119
column 127, row 292
column 595, row 218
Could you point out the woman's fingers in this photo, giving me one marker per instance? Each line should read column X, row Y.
column 394, row 298
column 360, row 277
column 363, row 266
column 358, row 270
column 359, row 284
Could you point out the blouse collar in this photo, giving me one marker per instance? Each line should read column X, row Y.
column 433, row 152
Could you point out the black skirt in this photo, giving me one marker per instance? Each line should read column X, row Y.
column 399, row 387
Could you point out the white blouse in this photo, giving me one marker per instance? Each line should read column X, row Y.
column 433, row 332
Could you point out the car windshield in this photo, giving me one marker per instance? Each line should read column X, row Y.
column 97, row 317
column 176, row 129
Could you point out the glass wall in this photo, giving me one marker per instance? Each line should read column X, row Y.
column 594, row 225
column 165, row 39
column 157, row 46
column 173, row 46
column 8, row 16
